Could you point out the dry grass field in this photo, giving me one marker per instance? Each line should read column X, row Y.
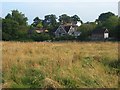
column 60, row 64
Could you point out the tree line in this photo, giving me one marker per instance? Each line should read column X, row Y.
column 15, row 26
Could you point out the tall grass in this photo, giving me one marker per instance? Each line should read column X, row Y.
column 60, row 65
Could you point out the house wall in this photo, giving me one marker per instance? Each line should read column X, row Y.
column 97, row 37
column 71, row 31
column 60, row 31
column 106, row 35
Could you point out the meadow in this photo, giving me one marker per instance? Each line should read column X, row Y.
column 60, row 65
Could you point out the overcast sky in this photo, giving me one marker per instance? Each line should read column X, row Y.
column 59, row 0
column 87, row 11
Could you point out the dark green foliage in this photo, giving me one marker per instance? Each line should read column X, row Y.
column 104, row 16
column 86, row 30
column 110, row 21
column 10, row 29
column 75, row 18
column 64, row 19
column 14, row 26
column 65, row 37
column 49, row 21
column 37, row 23
column 19, row 17
column 41, row 37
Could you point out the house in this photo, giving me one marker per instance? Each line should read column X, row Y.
column 41, row 30
column 67, row 30
column 36, row 30
column 100, row 34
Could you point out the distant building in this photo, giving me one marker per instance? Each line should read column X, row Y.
column 67, row 30
column 100, row 34
column 37, row 30
column 41, row 30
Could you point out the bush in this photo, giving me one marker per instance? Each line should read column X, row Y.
column 65, row 37
column 41, row 37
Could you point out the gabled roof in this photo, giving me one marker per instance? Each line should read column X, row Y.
column 67, row 27
column 100, row 30
column 40, row 30
column 63, row 29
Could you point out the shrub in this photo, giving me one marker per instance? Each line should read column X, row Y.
column 41, row 37
column 65, row 37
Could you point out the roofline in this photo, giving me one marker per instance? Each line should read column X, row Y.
column 62, row 28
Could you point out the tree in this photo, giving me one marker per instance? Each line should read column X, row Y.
column 9, row 29
column 50, row 20
column 19, row 17
column 104, row 16
column 14, row 25
column 39, row 25
column 75, row 19
column 111, row 23
column 64, row 18
column 9, row 16
column 41, row 36
column 50, row 23
column 37, row 22
column 86, row 30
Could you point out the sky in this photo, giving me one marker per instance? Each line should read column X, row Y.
column 86, row 10
column 59, row 0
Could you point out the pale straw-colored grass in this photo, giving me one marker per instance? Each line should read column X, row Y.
column 77, row 61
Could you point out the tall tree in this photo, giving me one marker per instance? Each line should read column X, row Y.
column 75, row 19
column 19, row 17
column 64, row 18
column 50, row 23
column 9, row 29
column 9, row 16
column 50, row 20
column 13, row 24
column 86, row 30
column 37, row 22
column 111, row 23
column 104, row 16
